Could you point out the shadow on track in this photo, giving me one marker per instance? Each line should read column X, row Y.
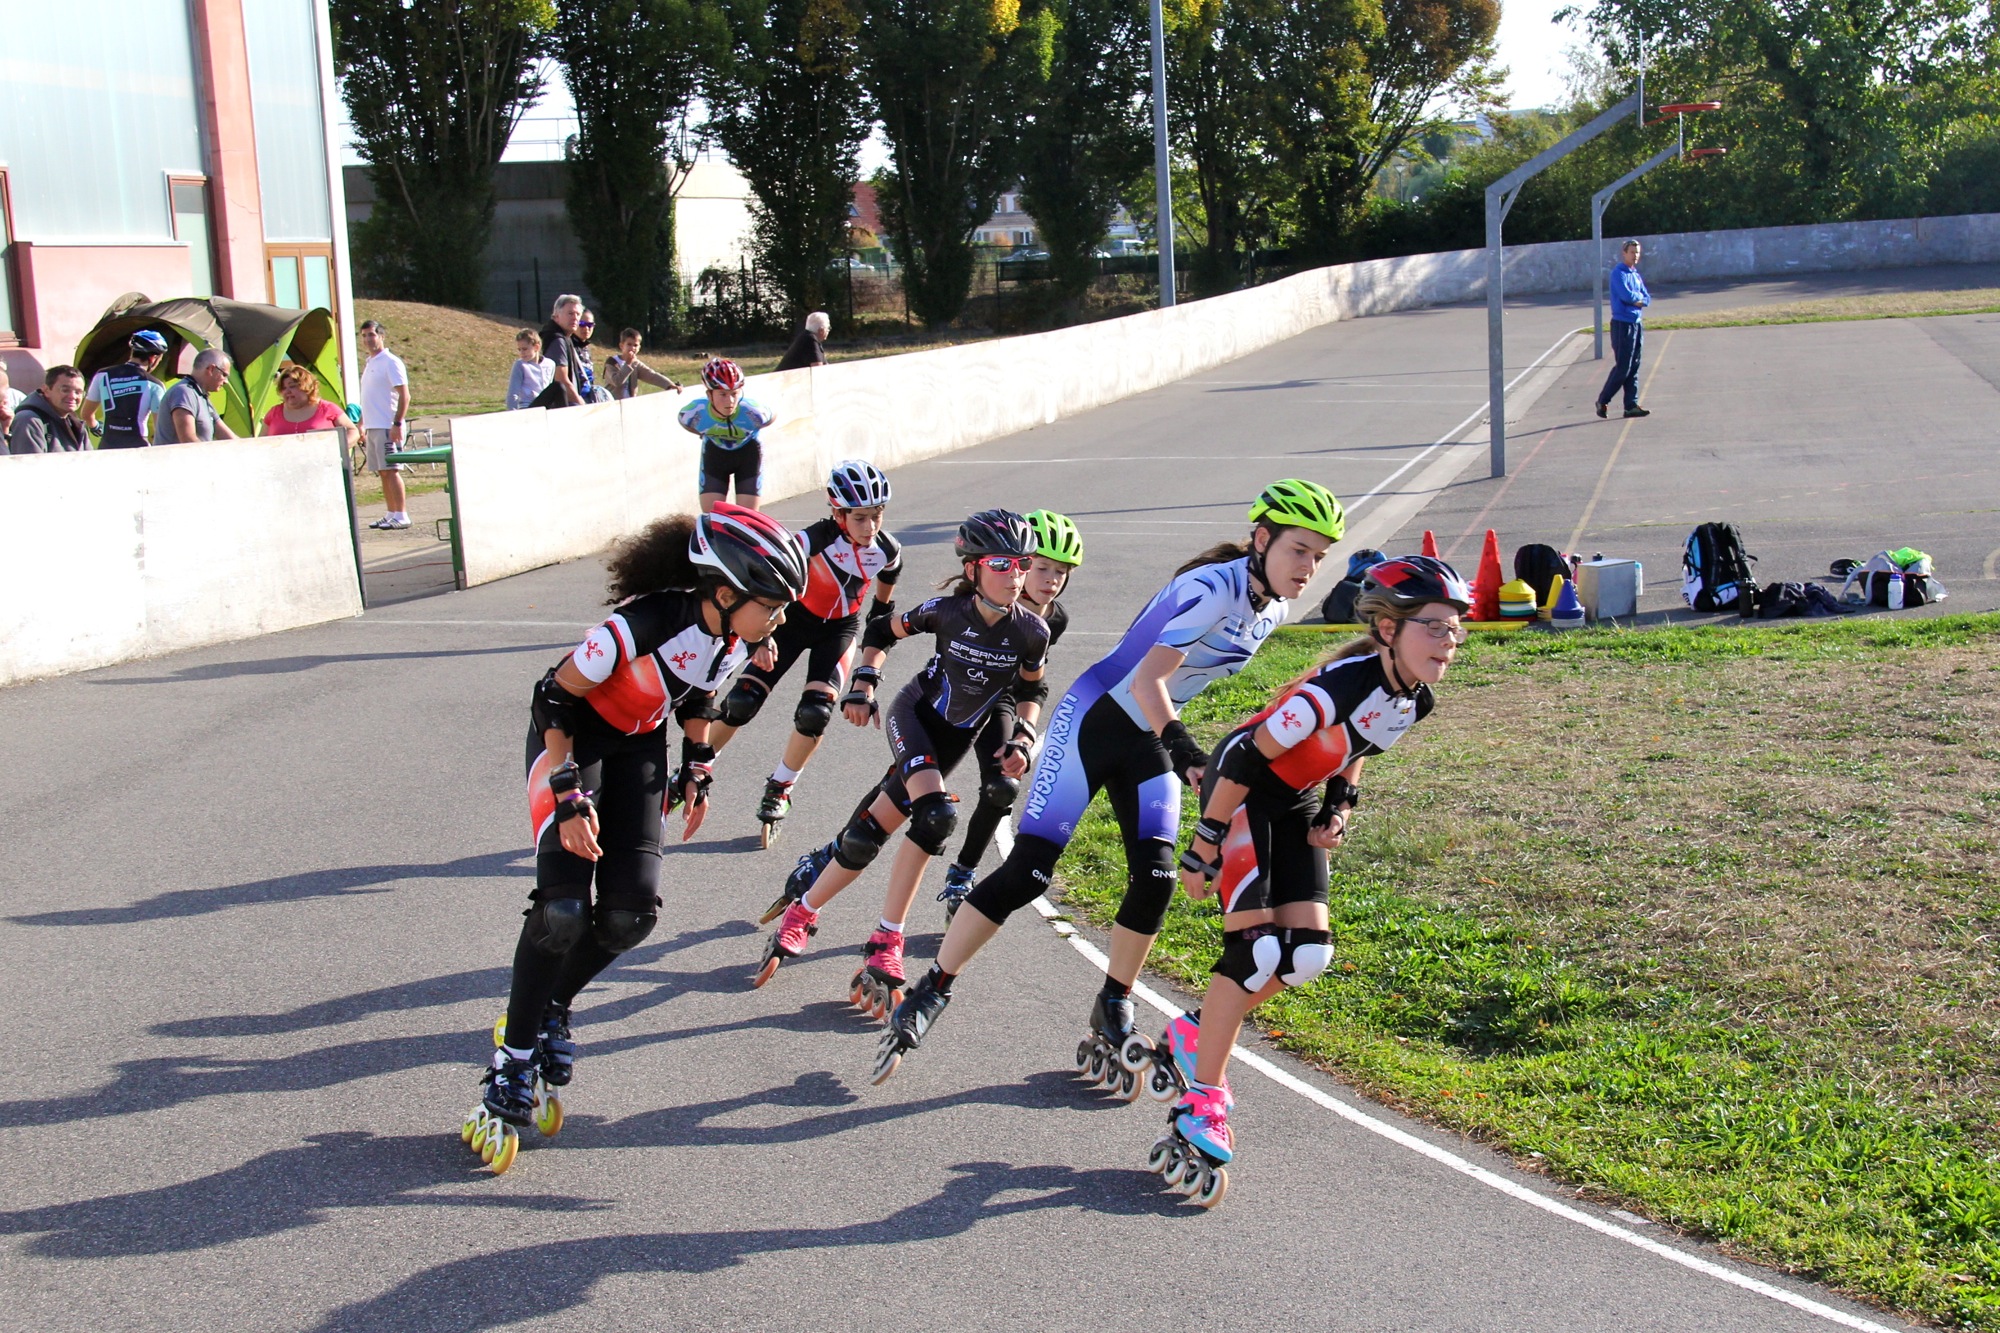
column 279, row 666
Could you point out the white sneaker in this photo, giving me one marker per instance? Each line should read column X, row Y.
column 382, row 522
column 396, row 522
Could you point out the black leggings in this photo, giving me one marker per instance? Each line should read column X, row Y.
column 628, row 778
column 987, row 816
column 1130, row 765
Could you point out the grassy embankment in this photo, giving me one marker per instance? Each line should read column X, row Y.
column 1700, row 920
column 1884, row 305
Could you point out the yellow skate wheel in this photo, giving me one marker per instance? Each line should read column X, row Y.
column 549, row 1116
column 503, row 1152
column 488, row 1143
column 1213, row 1187
column 500, row 1030
column 770, row 835
column 472, row 1124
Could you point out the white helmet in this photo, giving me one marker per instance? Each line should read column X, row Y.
column 856, row 484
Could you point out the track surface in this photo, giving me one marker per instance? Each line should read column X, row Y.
column 258, row 906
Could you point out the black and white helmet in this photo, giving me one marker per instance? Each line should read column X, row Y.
column 753, row 552
column 994, row 532
column 856, row 484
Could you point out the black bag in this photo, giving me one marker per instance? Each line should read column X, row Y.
column 1781, row 600
column 1716, row 571
column 1896, row 592
column 1338, row 608
column 1539, row 565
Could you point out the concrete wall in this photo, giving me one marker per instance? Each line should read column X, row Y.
column 136, row 552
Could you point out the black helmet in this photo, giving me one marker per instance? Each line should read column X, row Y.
column 1411, row 581
column 994, row 532
column 755, row 554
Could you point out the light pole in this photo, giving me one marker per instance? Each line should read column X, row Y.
column 1602, row 200
column 1163, row 190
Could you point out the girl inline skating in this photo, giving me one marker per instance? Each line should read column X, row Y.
column 728, row 424
column 986, row 643
column 844, row 553
column 1058, row 551
column 692, row 595
column 1265, row 830
column 1119, row 728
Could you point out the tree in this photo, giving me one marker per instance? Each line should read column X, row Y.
column 791, row 113
column 635, row 69
column 1088, row 136
column 946, row 77
column 434, row 89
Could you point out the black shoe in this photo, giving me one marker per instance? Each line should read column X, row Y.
column 1637, row 412
column 1600, row 410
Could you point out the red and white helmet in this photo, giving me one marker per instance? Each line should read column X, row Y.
column 755, row 554
column 719, row 372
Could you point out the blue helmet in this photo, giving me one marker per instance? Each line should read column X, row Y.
column 148, row 343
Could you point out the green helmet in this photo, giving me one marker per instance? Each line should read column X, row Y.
column 1056, row 537
column 1300, row 504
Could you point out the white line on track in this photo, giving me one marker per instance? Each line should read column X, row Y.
column 524, row 624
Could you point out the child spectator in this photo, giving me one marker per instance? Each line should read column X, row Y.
column 532, row 372
column 624, row 372
column 728, row 424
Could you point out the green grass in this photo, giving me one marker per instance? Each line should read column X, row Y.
column 1699, row 920
column 1837, row 309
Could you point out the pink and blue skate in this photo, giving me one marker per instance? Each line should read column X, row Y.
column 1172, row 1059
column 1192, row 1153
column 1201, row 1117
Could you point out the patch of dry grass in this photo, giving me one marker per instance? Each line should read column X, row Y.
column 1884, row 305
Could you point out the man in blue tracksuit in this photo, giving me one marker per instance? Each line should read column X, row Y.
column 1629, row 299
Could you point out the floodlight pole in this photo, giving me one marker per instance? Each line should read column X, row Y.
column 1163, row 188
column 1602, row 200
column 1500, row 196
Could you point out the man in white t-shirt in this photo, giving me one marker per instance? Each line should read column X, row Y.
column 385, row 402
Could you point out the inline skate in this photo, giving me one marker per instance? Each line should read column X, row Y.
column 1192, row 1153
column 493, row 1129
column 804, row 875
column 957, row 883
column 878, row 987
column 1102, row 1056
column 771, row 811
column 801, row 923
column 554, row 1060
column 907, row 1026
column 1166, row 1067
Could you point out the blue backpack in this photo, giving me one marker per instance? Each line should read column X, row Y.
column 1716, row 572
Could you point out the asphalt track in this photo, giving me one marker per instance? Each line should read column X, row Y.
column 260, row 900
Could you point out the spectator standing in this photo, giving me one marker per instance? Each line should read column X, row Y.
column 559, row 346
column 385, row 405
column 187, row 411
column 532, row 371
column 809, row 347
column 586, row 329
column 303, row 410
column 624, row 372
column 127, row 396
column 10, row 399
column 46, row 421
column 1629, row 299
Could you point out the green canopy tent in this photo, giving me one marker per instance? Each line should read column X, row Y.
column 256, row 337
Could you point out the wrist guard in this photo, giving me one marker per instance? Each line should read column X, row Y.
column 565, row 778
column 1191, row 861
column 1181, row 748
column 1340, row 796
column 1024, row 730
column 575, row 807
column 553, row 708
column 866, row 675
column 1211, row 831
column 856, row 697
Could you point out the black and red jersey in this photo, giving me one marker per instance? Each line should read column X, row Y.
column 1340, row 713
column 838, row 572
column 975, row 662
column 652, row 655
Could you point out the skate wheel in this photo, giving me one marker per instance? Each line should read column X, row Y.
column 1160, row 1084
column 503, row 1151
column 1213, row 1186
column 891, row 1000
column 471, row 1126
column 1096, row 1070
column 549, row 1117
column 1136, row 1053
column 1176, row 1167
column 775, row 910
column 950, row 911
column 1128, row 1086
column 500, row 1030
column 766, row 972
column 885, row 1065
column 770, row 835
column 1160, row 1154
column 1083, row 1049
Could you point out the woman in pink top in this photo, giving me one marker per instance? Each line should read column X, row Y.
column 303, row 409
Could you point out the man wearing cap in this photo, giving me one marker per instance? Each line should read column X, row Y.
column 126, row 396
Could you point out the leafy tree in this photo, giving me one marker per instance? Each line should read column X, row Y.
column 635, row 69
column 791, row 113
column 1088, row 136
column 434, row 89
column 946, row 77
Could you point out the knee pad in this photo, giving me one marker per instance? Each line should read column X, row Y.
column 1151, row 875
column 815, row 710
column 859, row 843
column 555, row 925
column 999, row 791
column 617, row 929
column 742, row 702
column 1306, row 954
column 933, row 817
column 1026, row 874
column 1250, row 958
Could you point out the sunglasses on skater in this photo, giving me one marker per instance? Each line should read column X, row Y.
column 1001, row 564
column 1440, row 628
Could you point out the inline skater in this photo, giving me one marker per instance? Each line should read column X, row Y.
column 1266, row 828
column 1119, row 728
column 987, row 643
column 844, row 553
column 727, row 423
column 692, row 595
column 1058, row 550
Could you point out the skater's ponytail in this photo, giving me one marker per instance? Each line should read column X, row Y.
column 1219, row 554
column 653, row 559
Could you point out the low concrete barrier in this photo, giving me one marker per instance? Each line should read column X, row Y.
column 130, row 553
column 538, row 487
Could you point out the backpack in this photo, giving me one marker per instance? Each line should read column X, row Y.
column 1890, row 590
column 1539, row 565
column 1716, row 571
column 1338, row 608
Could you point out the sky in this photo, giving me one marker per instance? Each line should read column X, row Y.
column 1534, row 49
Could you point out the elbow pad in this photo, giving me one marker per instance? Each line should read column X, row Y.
column 1241, row 761
column 697, row 706
column 880, row 633
column 1031, row 691
column 553, row 707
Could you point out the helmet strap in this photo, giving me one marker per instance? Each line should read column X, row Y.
column 1260, row 585
column 1397, row 685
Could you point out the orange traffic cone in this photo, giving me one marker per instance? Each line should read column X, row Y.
column 1486, row 587
column 1430, row 547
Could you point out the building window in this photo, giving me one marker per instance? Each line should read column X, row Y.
column 301, row 276
column 193, row 229
column 10, row 319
